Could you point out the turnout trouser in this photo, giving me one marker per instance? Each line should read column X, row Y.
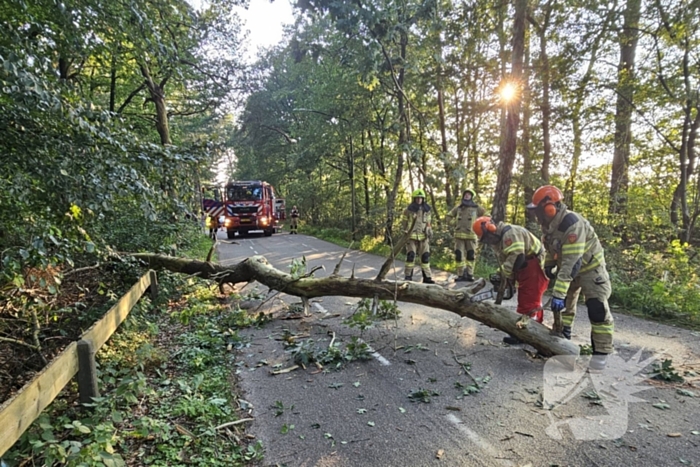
column 596, row 289
column 418, row 250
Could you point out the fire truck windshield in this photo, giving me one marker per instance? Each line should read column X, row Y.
column 244, row 192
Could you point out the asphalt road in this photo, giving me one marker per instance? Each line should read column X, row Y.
column 361, row 413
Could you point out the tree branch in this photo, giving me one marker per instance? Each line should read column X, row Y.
column 457, row 301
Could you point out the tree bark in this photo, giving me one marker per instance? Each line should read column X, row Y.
column 257, row 268
column 619, row 178
column 508, row 148
column 158, row 97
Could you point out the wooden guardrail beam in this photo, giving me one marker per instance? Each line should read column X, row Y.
column 19, row 412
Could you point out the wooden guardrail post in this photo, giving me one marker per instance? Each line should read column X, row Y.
column 87, row 372
column 154, row 284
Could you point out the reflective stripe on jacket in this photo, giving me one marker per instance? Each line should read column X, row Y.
column 463, row 218
column 573, row 246
column 515, row 240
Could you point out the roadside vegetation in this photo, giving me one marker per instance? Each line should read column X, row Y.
column 167, row 384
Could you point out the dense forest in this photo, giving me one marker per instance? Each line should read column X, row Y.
column 114, row 113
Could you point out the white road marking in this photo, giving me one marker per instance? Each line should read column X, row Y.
column 255, row 252
column 376, row 354
column 379, row 358
column 476, row 439
column 250, row 247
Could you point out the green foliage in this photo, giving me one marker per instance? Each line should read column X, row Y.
column 662, row 285
column 305, row 352
column 422, row 395
column 181, row 376
column 666, row 372
column 297, row 268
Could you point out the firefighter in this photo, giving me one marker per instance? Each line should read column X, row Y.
column 521, row 256
column 295, row 220
column 213, row 225
column 419, row 240
column 575, row 260
column 463, row 216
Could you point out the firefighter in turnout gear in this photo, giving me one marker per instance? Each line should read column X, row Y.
column 418, row 245
column 521, row 256
column 294, row 214
column 462, row 217
column 576, row 261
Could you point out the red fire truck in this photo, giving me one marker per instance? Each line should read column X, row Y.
column 252, row 205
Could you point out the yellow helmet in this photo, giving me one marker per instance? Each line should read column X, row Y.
column 419, row 193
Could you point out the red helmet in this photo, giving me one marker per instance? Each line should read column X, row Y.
column 547, row 194
column 483, row 224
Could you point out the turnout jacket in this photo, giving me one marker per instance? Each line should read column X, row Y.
column 515, row 241
column 421, row 212
column 573, row 246
column 463, row 216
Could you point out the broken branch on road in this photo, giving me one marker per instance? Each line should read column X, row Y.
column 257, row 268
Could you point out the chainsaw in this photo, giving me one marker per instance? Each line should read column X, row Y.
column 501, row 290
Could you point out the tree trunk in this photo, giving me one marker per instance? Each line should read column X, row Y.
column 619, row 178
column 158, row 97
column 353, row 194
column 447, row 162
column 508, row 148
column 402, row 141
column 365, row 176
column 529, row 179
column 113, row 80
column 457, row 301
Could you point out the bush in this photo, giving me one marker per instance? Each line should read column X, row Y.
column 659, row 284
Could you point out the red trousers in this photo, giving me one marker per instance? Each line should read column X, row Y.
column 532, row 283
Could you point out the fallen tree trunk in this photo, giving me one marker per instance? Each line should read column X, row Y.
column 257, row 268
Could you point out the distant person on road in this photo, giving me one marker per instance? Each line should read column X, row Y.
column 575, row 260
column 462, row 217
column 294, row 214
column 419, row 237
column 521, row 256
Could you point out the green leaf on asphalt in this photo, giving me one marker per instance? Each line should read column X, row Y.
column 685, row 392
column 370, row 423
column 356, row 384
column 661, row 406
column 361, row 410
column 402, row 410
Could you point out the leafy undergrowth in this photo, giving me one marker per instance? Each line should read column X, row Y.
column 166, row 389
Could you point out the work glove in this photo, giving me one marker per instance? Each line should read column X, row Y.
column 550, row 273
column 558, row 304
column 429, row 233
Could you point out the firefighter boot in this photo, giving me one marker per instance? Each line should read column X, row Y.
column 427, row 280
column 598, row 362
column 512, row 340
column 466, row 277
column 566, row 332
column 408, row 278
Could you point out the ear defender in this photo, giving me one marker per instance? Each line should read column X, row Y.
column 549, row 210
